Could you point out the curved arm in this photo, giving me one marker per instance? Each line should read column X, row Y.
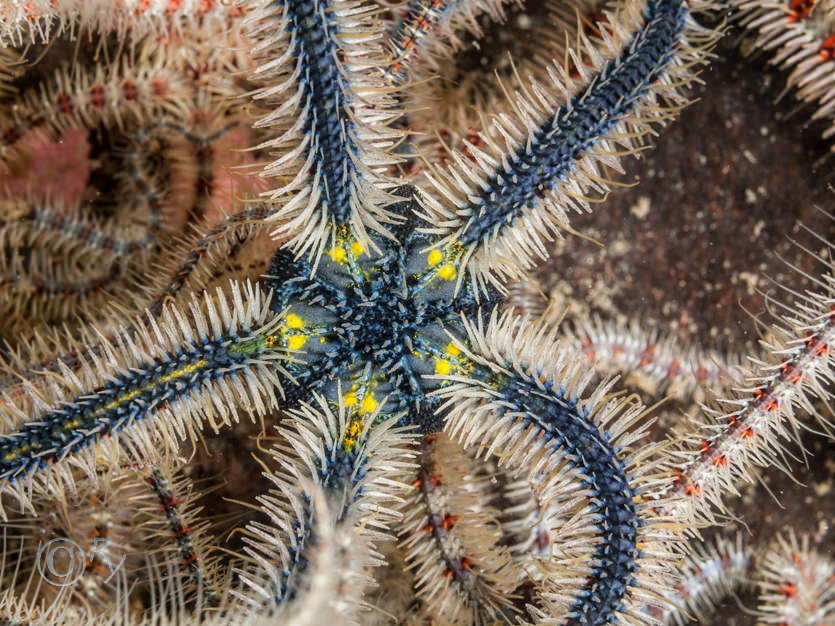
column 524, row 402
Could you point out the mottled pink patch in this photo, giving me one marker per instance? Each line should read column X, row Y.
column 49, row 169
column 231, row 184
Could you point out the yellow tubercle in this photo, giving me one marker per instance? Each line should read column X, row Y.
column 452, row 349
column 442, row 367
column 349, row 399
column 338, row 254
column 356, row 248
column 295, row 342
column 435, row 257
column 294, row 321
column 368, row 404
column 447, row 272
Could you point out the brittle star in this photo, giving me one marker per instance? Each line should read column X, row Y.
column 381, row 316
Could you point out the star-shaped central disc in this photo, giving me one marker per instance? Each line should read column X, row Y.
column 378, row 321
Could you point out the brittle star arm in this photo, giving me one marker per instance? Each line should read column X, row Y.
column 524, row 400
column 330, row 115
column 497, row 204
column 146, row 390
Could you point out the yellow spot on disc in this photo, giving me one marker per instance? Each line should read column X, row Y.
column 447, row 272
column 442, row 367
column 452, row 349
column 368, row 403
column 337, row 253
column 350, row 399
column 296, row 341
column 356, row 248
column 434, row 257
column 294, row 321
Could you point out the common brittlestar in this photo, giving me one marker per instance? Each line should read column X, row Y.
column 380, row 325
